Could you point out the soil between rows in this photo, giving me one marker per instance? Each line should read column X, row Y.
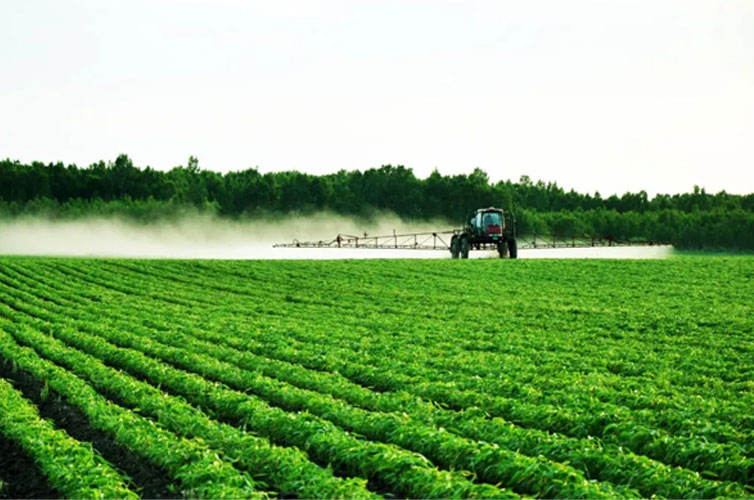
column 20, row 475
column 147, row 479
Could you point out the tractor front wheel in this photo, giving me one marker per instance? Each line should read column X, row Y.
column 464, row 247
column 455, row 246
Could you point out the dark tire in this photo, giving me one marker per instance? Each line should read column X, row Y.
column 512, row 248
column 464, row 247
column 502, row 249
column 455, row 246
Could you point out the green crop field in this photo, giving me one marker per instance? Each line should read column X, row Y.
column 377, row 378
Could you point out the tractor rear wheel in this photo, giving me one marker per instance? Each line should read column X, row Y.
column 464, row 247
column 455, row 246
column 512, row 248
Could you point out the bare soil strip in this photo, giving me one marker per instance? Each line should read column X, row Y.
column 20, row 476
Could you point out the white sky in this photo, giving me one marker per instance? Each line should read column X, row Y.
column 611, row 96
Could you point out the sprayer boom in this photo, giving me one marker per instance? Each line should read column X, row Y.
column 485, row 229
column 410, row 241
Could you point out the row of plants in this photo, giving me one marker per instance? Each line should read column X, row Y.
column 197, row 469
column 71, row 467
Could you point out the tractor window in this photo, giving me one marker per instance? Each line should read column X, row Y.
column 492, row 219
column 478, row 220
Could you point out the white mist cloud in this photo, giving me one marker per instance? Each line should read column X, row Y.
column 206, row 237
column 203, row 237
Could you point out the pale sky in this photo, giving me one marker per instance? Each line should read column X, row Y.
column 608, row 96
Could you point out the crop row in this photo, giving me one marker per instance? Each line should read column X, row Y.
column 199, row 471
column 72, row 468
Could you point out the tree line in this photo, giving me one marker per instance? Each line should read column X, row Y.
column 695, row 219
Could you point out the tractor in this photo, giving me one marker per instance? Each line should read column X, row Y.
column 485, row 229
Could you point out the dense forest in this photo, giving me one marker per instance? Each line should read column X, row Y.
column 691, row 220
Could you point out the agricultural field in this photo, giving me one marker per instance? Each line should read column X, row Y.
column 377, row 378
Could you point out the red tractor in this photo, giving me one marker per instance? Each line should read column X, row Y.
column 485, row 229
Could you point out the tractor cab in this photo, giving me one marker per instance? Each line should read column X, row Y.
column 487, row 223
